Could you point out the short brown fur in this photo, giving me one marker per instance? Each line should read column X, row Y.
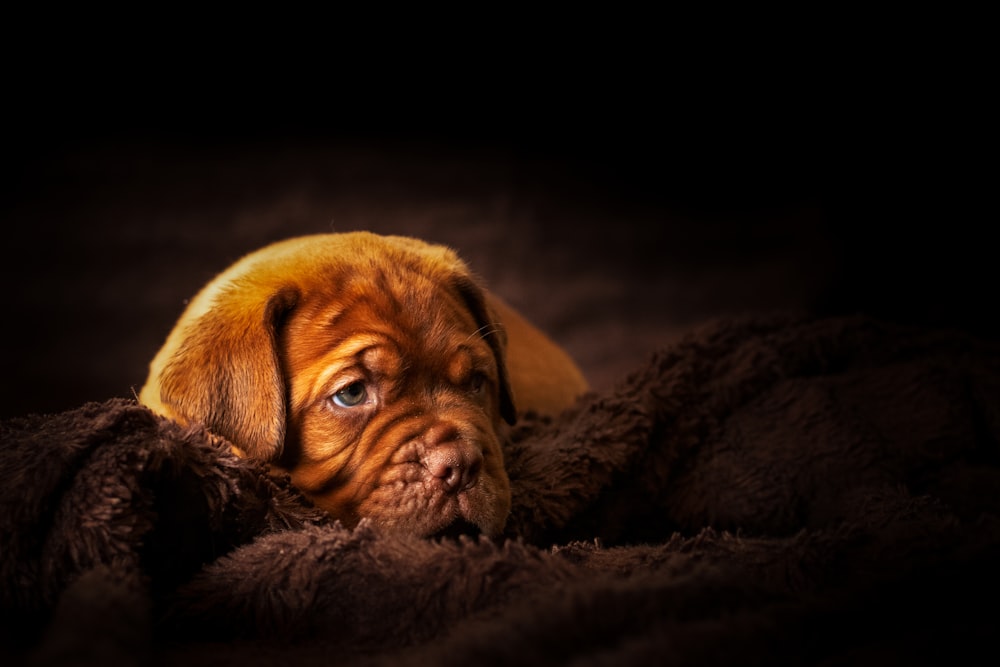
column 264, row 353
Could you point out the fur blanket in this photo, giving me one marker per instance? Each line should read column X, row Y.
column 782, row 491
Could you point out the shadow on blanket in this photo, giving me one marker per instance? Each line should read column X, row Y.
column 762, row 491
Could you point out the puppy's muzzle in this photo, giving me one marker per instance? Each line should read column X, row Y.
column 450, row 461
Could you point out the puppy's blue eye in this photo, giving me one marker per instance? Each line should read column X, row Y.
column 351, row 396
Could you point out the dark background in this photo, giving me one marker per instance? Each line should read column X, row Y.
column 618, row 196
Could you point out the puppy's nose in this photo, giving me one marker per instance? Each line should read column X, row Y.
column 454, row 463
column 456, row 467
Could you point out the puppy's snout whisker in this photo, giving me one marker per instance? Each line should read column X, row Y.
column 484, row 331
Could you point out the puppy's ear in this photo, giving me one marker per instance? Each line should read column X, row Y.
column 493, row 332
column 226, row 373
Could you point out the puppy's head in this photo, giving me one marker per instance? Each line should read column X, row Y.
column 370, row 368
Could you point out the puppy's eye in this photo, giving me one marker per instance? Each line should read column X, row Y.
column 477, row 383
column 352, row 395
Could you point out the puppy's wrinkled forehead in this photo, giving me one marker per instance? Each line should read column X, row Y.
column 356, row 296
column 393, row 315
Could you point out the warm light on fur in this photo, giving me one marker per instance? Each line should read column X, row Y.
column 274, row 353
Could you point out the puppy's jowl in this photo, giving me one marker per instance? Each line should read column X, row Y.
column 373, row 369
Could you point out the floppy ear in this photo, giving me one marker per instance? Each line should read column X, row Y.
column 493, row 332
column 226, row 374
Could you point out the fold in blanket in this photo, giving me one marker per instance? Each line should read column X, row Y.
column 771, row 491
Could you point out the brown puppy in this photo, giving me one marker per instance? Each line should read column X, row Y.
column 372, row 369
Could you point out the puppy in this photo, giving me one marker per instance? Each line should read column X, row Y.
column 372, row 369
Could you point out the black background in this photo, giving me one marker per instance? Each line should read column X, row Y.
column 619, row 190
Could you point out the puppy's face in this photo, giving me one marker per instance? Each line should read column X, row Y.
column 369, row 368
column 394, row 405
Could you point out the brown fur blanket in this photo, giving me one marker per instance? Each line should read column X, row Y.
column 782, row 491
